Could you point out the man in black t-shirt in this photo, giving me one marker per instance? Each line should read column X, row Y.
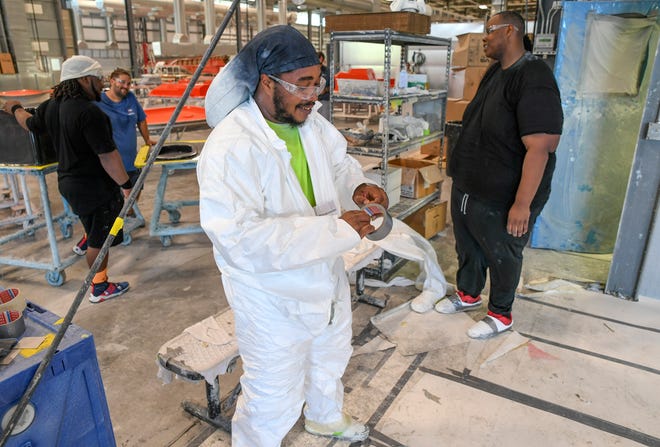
column 501, row 170
column 324, row 97
column 90, row 172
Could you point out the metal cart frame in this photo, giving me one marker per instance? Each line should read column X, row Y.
column 55, row 274
column 163, row 230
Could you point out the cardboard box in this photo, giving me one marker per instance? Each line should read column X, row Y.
column 393, row 176
column 405, row 22
column 464, row 81
column 472, row 78
column 429, row 220
column 414, row 154
column 419, row 178
column 433, row 148
column 455, row 109
column 394, row 194
column 6, row 64
column 393, row 182
column 469, row 51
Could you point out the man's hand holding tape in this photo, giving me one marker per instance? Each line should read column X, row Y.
column 365, row 194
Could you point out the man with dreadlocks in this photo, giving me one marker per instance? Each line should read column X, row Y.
column 90, row 172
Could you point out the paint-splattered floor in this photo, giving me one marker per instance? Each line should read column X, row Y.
column 582, row 368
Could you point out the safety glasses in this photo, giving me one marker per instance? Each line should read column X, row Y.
column 122, row 81
column 305, row 93
column 493, row 28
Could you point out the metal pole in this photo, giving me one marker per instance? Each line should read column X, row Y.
column 135, row 70
column 119, row 222
column 239, row 39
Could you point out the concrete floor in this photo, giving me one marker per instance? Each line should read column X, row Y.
column 582, row 368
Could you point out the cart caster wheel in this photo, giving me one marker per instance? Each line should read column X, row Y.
column 166, row 241
column 55, row 278
column 127, row 239
column 175, row 216
column 67, row 231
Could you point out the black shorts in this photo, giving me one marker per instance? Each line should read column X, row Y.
column 133, row 175
column 98, row 224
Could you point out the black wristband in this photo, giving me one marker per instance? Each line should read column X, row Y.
column 15, row 107
column 127, row 185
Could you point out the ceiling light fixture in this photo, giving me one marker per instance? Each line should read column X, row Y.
column 482, row 6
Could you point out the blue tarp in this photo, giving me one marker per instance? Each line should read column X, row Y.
column 600, row 133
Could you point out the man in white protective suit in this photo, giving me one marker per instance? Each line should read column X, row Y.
column 274, row 182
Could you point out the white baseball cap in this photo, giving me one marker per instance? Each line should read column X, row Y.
column 80, row 66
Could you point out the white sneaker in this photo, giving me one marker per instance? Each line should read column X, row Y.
column 488, row 327
column 424, row 302
column 345, row 430
column 454, row 303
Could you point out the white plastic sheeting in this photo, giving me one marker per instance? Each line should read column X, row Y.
column 600, row 132
column 615, row 52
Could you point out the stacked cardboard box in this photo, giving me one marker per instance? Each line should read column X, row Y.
column 464, row 81
column 429, row 220
column 6, row 64
column 468, row 65
column 469, row 51
column 419, row 178
column 393, row 181
column 407, row 22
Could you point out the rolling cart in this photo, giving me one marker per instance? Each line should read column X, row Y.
column 33, row 221
column 173, row 208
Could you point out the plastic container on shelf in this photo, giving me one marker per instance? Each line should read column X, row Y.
column 359, row 87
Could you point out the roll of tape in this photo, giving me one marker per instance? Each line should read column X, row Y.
column 378, row 212
column 10, row 299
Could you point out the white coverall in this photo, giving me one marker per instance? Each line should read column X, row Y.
column 281, row 267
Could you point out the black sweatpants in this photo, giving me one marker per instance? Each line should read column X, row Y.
column 482, row 242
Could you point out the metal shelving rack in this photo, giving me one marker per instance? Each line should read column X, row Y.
column 387, row 149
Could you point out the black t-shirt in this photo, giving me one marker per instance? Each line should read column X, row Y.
column 488, row 158
column 79, row 131
column 325, row 74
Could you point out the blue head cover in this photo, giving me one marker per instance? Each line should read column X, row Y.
column 275, row 50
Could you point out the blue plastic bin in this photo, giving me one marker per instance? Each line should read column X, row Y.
column 69, row 407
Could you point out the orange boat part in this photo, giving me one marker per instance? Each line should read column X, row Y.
column 366, row 74
column 11, row 94
column 160, row 116
column 176, row 89
column 28, row 98
column 213, row 64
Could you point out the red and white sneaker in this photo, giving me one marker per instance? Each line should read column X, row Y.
column 458, row 302
column 81, row 247
column 107, row 290
column 491, row 325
